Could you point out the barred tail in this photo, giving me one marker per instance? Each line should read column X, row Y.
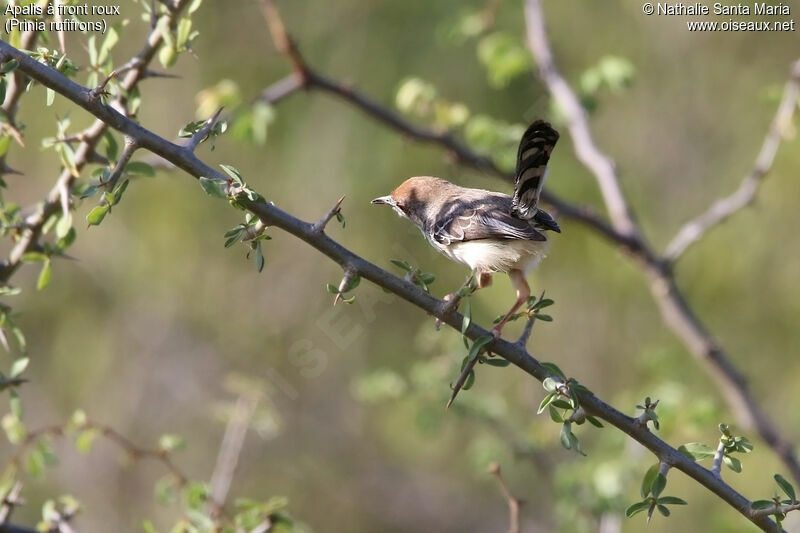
column 534, row 152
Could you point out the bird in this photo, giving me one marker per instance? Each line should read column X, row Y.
column 487, row 231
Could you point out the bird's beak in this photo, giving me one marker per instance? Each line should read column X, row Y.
column 387, row 200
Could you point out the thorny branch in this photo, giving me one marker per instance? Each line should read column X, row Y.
column 135, row 70
column 274, row 216
column 676, row 311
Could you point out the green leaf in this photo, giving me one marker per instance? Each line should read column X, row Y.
column 9, row 66
column 595, row 422
column 96, row 215
column 733, row 463
column 140, row 168
column 555, row 416
column 659, row 482
column 235, row 175
column 259, row 258
column 647, row 480
column 497, row 362
column 696, row 450
column 167, row 56
column 470, row 381
column 402, row 264
column 5, row 142
column 165, row 490
column 763, row 504
column 85, row 439
column 63, row 225
column 18, row 367
column 466, row 321
column 543, row 318
column 45, row 275
column 564, row 437
column 671, row 500
column 171, row 442
column 553, row 369
column 637, row 507
column 213, row 187
column 785, row 486
column 663, row 510
column 504, row 58
column 479, row 343
column 547, row 400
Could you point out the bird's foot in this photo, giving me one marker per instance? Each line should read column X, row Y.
column 451, row 304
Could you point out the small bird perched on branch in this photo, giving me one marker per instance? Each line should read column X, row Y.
column 487, row 231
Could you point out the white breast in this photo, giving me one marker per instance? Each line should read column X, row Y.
column 488, row 255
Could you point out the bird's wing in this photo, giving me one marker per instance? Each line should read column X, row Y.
column 534, row 152
column 483, row 222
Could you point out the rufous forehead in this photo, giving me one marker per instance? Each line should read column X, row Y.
column 417, row 187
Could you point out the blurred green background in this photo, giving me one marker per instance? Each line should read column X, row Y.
column 156, row 327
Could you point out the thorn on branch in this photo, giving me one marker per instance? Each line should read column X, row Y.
column 319, row 227
column 462, row 379
column 100, row 89
column 148, row 73
column 201, row 134
column 344, row 285
column 10, row 500
column 5, row 169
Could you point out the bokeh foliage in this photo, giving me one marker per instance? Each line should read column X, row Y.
column 149, row 330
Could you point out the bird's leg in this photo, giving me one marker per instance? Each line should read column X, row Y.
column 523, row 292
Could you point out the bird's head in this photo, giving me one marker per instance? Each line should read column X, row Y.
column 415, row 197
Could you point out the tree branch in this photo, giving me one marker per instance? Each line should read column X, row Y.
column 135, row 70
column 675, row 310
column 274, row 216
column 694, row 230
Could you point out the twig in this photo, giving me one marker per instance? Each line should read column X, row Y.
column 134, row 70
column 9, row 501
column 273, row 216
column 319, row 227
column 585, row 149
column 716, row 465
column 513, row 503
column 229, row 451
column 200, row 135
column 134, row 452
column 526, row 331
column 782, row 508
column 694, row 230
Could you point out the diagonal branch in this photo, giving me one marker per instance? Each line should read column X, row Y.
column 274, row 216
column 135, row 70
column 675, row 310
column 694, row 230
